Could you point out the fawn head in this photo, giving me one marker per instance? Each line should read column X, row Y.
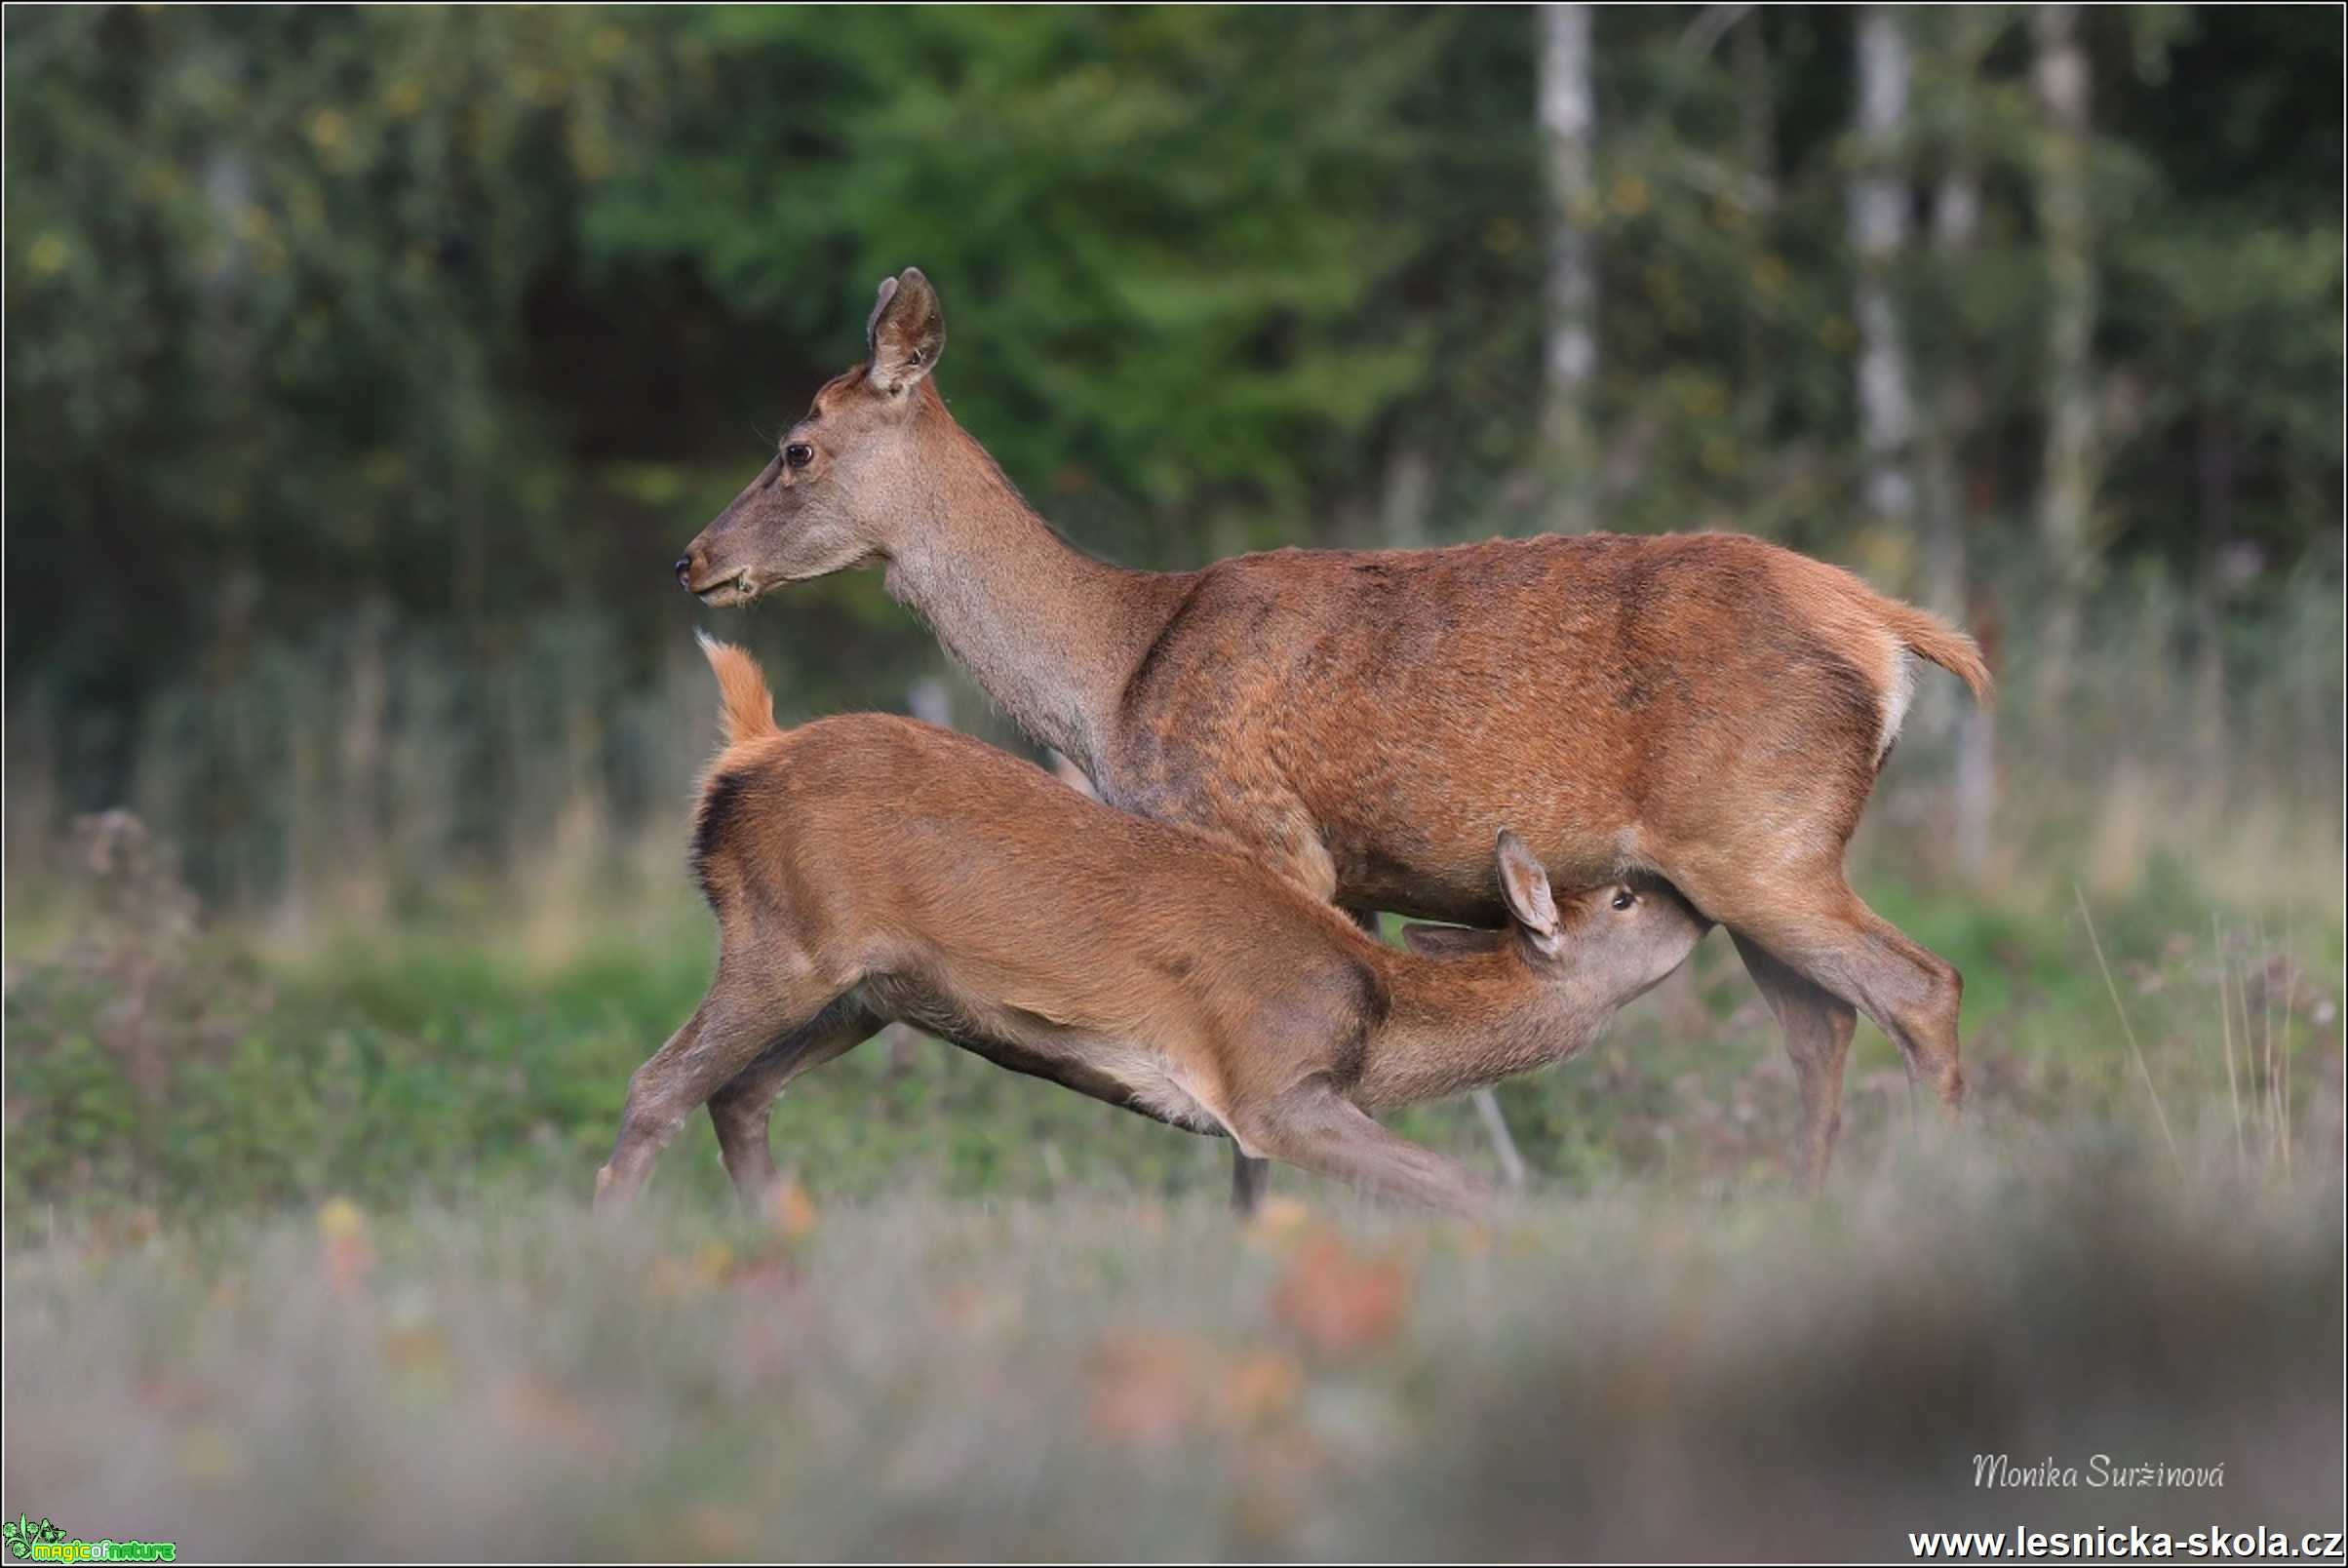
column 1618, row 938
column 843, row 477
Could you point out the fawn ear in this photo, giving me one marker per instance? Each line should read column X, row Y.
column 1448, row 941
column 906, row 335
column 1525, row 884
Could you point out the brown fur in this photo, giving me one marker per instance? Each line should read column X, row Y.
column 1708, row 708
column 867, row 868
column 744, row 706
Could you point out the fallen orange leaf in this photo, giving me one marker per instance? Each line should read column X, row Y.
column 1342, row 1304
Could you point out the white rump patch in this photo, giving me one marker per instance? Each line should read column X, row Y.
column 1898, row 690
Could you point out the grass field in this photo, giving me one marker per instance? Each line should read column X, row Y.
column 298, row 1263
column 1626, row 1370
column 158, row 1064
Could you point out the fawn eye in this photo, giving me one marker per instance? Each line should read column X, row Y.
column 1624, row 898
column 799, row 454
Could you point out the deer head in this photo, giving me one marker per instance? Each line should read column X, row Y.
column 1612, row 943
column 846, row 475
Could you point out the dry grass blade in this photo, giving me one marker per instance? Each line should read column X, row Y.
column 2160, row 1112
column 2290, row 983
column 2225, row 1026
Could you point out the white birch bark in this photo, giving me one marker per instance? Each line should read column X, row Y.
column 1947, row 564
column 1879, row 233
column 1570, row 340
column 2061, row 82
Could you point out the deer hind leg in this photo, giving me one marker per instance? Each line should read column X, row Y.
column 743, row 1106
column 733, row 1025
column 1817, row 1025
column 1314, row 1127
column 1820, row 930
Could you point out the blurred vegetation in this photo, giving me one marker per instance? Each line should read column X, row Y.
column 369, row 366
column 1131, row 1381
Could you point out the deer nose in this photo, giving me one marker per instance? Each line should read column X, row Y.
column 684, row 573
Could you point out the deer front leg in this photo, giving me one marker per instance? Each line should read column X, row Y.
column 1249, row 1177
column 1817, row 1026
column 1318, row 1130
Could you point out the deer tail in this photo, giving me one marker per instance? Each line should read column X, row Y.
column 1928, row 636
column 744, row 706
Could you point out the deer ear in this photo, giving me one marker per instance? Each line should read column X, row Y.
column 906, row 334
column 1525, row 884
column 1448, row 941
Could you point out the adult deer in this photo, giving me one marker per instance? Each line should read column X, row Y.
column 867, row 868
column 1707, row 708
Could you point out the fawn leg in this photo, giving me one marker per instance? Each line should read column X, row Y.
column 1314, row 1126
column 728, row 1031
column 743, row 1106
column 1487, row 1107
column 1817, row 1026
column 1250, row 1176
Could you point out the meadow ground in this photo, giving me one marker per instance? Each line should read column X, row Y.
column 298, row 1263
column 1624, row 1371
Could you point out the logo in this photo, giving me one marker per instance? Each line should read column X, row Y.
column 22, row 1535
column 40, row 1540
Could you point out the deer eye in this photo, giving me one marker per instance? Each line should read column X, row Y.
column 1624, row 898
column 799, row 454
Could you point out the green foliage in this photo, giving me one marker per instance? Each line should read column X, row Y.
column 1173, row 241
column 368, row 366
column 267, row 275
column 453, row 311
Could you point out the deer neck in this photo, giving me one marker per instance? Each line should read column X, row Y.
column 1050, row 633
column 1462, row 1022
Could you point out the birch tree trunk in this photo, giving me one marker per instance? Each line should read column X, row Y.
column 1955, row 401
column 1954, row 406
column 1879, row 231
column 1570, row 343
column 1757, row 151
column 1949, row 585
column 2060, row 81
column 2213, row 485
